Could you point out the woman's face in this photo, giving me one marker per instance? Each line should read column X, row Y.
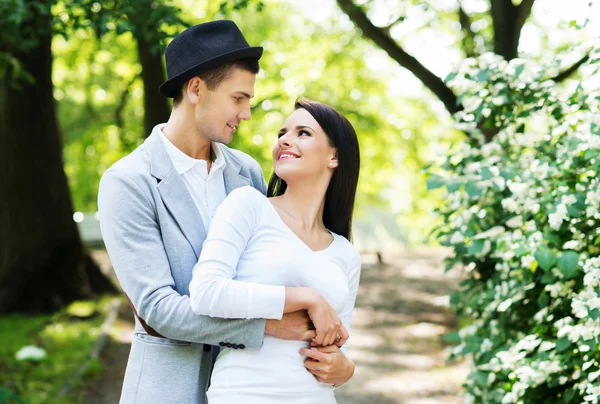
column 303, row 149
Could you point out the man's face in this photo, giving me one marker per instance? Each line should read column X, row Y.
column 221, row 109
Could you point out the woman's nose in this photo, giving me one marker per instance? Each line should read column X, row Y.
column 284, row 140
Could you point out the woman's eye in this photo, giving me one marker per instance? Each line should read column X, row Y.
column 303, row 132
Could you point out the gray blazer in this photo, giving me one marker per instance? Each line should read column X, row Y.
column 154, row 234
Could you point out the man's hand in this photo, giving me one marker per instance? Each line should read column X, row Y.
column 292, row 326
column 328, row 364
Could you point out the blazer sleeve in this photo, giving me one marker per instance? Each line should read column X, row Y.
column 133, row 240
column 213, row 289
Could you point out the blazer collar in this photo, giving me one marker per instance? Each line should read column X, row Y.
column 234, row 173
column 175, row 194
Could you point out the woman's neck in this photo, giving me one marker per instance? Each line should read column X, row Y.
column 305, row 204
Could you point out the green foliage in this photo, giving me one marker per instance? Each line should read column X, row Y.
column 100, row 101
column 67, row 340
column 522, row 218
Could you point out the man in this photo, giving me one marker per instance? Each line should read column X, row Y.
column 155, row 208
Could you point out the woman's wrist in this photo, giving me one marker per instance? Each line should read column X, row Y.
column 299, row 298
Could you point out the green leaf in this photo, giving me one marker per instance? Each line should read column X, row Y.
column 548, row 278
column 434, row 182
column 590, row 154
column 594, row 314
column 482, row 75
column 476, row 247
column 545, row 257
column 521, row 251
column 519, row 69
column 562, row 344
column 452, row 338
column 574, row 211
column 569, row 395
column 454, row 185
column 480, row 377
column 450, row 77
column 568, row 263
column 486, row 173
column 473, row 189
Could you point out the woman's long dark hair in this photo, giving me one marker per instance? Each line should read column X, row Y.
column 341, row 192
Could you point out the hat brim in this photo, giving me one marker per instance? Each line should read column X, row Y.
column 170, row 87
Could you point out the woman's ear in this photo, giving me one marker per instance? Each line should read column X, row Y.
column 333, row 162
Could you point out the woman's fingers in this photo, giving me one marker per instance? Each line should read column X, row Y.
column 344, row 335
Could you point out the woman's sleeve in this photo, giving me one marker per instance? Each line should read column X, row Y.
column 213, row 291
column 354, row 267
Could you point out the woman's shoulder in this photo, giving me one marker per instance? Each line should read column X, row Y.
column 246, row 192
column 346, row 249
column 246, row 197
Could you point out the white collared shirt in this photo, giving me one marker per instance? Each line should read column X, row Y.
column 206, row 188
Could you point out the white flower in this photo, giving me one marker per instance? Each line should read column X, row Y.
column 515, row 222
column 527, row 260
column 504, row 305
column 457, row 238
column 572, row 245
column 510, row 205
column 579, row 308
column 530, row 226
column 556, row 219
column 569, row 199
column 30, row 353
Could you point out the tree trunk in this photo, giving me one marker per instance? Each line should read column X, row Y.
column 43, row 265
column 156, row 107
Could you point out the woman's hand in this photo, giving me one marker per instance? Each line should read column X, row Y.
column 328, row 326
column 328, row 364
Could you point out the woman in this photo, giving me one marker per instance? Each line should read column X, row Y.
column 266, row 257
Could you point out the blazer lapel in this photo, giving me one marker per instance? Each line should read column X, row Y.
column 175, row 194
column 232, row 173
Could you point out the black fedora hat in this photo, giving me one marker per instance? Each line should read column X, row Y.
column 201, row 48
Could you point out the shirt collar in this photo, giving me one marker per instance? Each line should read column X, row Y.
column 181, row 161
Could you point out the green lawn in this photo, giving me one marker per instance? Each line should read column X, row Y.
column 67, row 337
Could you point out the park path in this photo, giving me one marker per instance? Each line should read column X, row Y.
column 400, row 317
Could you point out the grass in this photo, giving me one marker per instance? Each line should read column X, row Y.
column 67, row 338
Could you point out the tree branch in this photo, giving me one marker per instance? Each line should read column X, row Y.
column 388, row 27
column 568, row 72
column 465, row 23
column 385, row 42
column 121, row 105
column 523, row 12
column 508, row 21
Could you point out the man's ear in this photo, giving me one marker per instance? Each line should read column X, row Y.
column 196, row 90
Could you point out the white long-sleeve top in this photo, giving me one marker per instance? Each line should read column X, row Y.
column 248, row 258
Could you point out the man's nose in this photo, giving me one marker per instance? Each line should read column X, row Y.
column 246, row 113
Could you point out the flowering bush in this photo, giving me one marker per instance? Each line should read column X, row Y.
column 523, row 218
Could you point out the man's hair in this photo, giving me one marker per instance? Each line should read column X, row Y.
column 215, row 76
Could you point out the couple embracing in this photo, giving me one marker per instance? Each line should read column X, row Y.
column 238, row 297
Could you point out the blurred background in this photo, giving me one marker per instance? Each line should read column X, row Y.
column 78, row 91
